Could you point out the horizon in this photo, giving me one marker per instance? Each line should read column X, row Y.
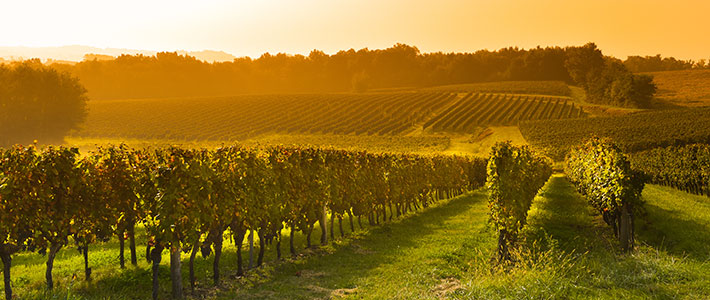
column 253, row 28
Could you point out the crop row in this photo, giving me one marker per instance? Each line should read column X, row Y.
column 686, row 168
column 474, row 110
column 634, row 132
column 188, row 198
column 242, row 117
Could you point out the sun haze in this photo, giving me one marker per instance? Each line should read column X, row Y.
column 250, row 28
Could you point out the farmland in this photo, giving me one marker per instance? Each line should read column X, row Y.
column 683, row 88
column 632, row 132
column 242, row 117
column 480, row 110
column 549, row 88
column 255, row 117
column 442, row 251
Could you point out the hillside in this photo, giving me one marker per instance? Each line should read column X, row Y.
column 408, row 115
column 683, row 88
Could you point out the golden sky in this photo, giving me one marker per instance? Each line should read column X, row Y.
column 679, row 28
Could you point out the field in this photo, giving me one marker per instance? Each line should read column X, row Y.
column 444, row 252
column 480, row 110
column 550, row 88
column 257, row 117
column 683, row 88
column 447, row 250
column 633, row 132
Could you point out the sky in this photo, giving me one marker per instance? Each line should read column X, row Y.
column 679, row 28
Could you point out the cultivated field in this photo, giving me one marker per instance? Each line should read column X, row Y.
column 444, row 247
column 481, row 110
column 550, row 88
column 633, row 132
column 683, row 88
column 378, row 114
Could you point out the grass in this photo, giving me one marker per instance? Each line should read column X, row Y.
column 134, row 282
column 571, row 254
column 408, row 259
column 446, row 251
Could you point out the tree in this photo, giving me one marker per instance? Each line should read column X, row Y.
column 38, row 103
column 584, row 62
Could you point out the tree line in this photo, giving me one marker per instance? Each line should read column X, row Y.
column 187, row 199
column 657, row 63
column 168, row 74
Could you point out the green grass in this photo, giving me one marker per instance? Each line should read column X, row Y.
column 446, row 251
column 407, row 259
column 571, row 254
column 134, row 282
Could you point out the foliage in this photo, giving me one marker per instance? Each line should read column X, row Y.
column 606, row 80
column 686, row 168
column 602, row 173
column 187, row 197
column 658, row 63
column 634, row 132
column 38, row 103
column 171, row 75
column 515, row 174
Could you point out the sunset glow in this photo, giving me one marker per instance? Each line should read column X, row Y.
column 621, row 28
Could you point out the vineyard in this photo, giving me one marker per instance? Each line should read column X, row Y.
column 378, row 114
column 603, row 174
column 634, row 132
column 476, row 110
column 514, row 177
column 186, row 199
column 550, row 88
column 686, row 168
column 241, row 117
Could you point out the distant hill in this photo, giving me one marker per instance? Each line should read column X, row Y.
column 75, row 53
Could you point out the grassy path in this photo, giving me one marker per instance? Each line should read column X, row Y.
column 572, row 254
column 407, row 259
